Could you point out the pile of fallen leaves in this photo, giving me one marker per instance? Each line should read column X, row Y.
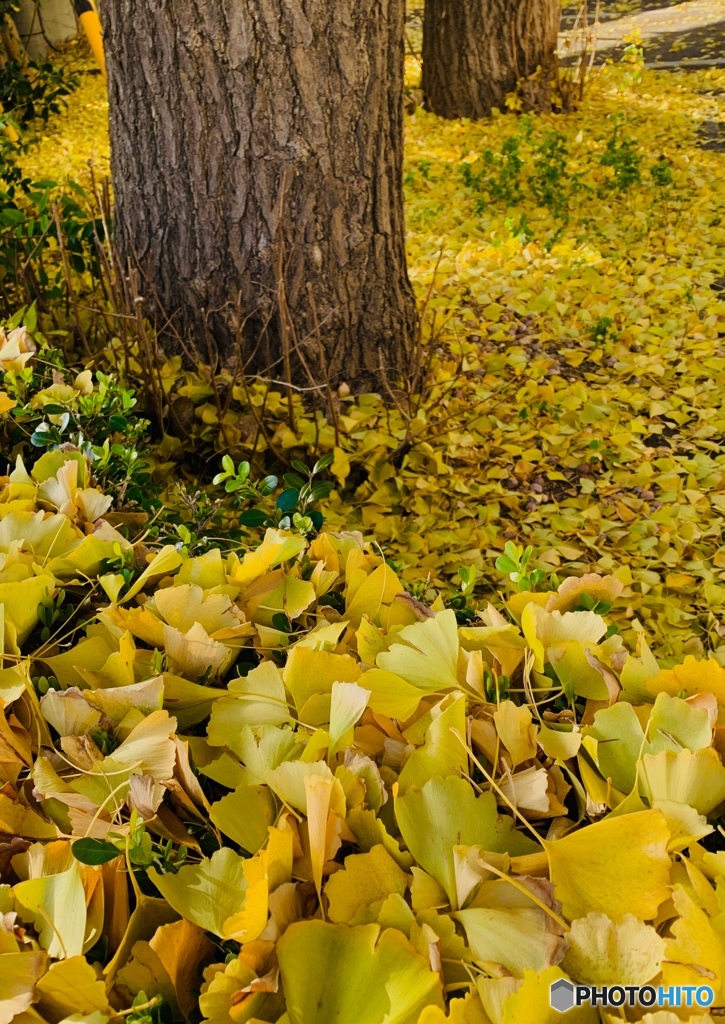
column 274, row 786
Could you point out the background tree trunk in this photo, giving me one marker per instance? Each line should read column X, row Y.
column 257, row 155
column 476, row 51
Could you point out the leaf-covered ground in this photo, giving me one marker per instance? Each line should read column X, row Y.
column 271, row 783
column 575, row 398
column 366, row 812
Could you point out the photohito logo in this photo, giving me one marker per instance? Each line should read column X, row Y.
column 563, row 995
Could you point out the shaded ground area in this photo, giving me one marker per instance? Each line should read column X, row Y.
column 697, row 45
column 673, row 34
column 609, row 10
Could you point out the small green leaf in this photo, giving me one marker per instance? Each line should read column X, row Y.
column 94, row 851
column 513, row 551
column 253, row 517
column 268, row 485
column 322, row 490
column 31, row 318
column 288, row 499
column 323, row 463
column 281, row 622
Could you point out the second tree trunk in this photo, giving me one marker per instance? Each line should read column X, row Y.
column 476, row 52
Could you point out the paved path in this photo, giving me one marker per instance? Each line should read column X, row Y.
column 691, row 21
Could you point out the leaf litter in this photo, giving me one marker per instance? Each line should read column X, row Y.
column 384, row 812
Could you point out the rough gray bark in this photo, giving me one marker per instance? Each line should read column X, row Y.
column 476, row 52
column 257, row 164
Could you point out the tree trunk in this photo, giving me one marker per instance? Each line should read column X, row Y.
column 476, row 52
column 257, row 171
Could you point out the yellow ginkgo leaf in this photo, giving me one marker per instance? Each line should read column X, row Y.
column 617, row 866
column 691, row 677
column 112, row 583
column 604, row 953
column 92, row 504
column 363, row 975
column 519, row 602
column 517, row 939
column 258, row 698
column 183, row 605
column 288, row 781
column 443, row 751
column 367, row 879
column 600, row 588
column 14, row 682
column 369, row 831
column 245, row 815
column 17, row 819
column 348, row 701
column 373, row 596
column 91, row 653
column 468, row 1010
column 446, row 813
column 118, row 670
column 509, row 1001
column 319, row 805
column 689, row 777
column 685, row 824
column 621, row 743
column 72, row 986
column 188, row 702
column 426, row 653
column 639, row 669
column 149, row 749
column 116, row 701
column 390, row 695
column 19, row 973
column 561, row 743
column 16, row 348
column 515, row 726
column 266, row 748
column 168, row 965
column 277, row 547
column 194, row 653
column 208, row 893
column 162, row 564
column 249, row 923
column 324, row 637
column 6, row 403
column 68, row 712
column 206, row 570
column 695, row 952
column 56, row 905
column 543, row 630
column 21, row 600
column 308, row 672
column 426, row 892
column 236, row 988
column 580, row 671
column 676, row 723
